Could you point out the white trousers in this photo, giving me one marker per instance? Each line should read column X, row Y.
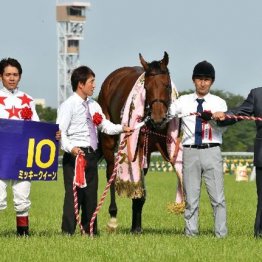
column 21, row 192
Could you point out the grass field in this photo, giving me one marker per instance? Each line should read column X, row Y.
column 162, row 239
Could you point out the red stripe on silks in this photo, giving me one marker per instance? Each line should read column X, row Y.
column 22, row 221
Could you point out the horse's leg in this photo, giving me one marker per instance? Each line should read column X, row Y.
column 109, row 143
column 112, row 207
column 137, row 207
column 112, row 224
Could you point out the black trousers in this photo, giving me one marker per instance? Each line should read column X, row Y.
column 87, row 197
column 258, row 221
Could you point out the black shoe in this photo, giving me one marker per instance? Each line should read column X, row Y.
column 22, row 231
column 258, row 234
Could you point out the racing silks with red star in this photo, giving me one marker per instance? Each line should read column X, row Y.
column 11, row 104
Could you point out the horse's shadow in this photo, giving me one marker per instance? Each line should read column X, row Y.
column 152, row 231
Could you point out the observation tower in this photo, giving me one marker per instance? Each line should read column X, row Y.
column 70, row 17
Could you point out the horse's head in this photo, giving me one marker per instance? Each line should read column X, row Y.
column 158, row 90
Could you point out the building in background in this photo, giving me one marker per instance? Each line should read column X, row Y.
column 70, row 18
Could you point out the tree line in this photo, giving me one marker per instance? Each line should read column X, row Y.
column 237, row 138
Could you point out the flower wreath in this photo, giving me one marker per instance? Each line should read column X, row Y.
column 26, row 113
column 97, row 119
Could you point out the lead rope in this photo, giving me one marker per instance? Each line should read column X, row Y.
column 76, row 211
column 113, row 176
column 236, row 117
column 110, row 181
column 145, row 130
column 258, row 118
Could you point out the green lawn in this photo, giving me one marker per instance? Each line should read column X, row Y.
column 162, row 239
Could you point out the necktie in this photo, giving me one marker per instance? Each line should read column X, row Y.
column 91, row 127
column 198, row 128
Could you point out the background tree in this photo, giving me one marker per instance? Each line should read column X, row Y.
column 46, row 114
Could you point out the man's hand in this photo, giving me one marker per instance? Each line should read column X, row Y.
column 77, row 151
column 220, row 116
column 128, row 130
column 58, row 135
column 206, row 115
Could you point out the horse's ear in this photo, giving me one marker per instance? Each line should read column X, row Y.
column 143, row 62
column 165, row 59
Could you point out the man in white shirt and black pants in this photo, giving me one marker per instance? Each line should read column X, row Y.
column 79, row 136
column 201, row 153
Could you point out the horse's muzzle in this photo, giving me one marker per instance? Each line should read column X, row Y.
column 158, row 125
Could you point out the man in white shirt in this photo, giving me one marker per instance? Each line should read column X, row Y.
column 201, row 153
column 79, row 118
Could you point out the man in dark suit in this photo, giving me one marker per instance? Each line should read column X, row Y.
column 252, row 106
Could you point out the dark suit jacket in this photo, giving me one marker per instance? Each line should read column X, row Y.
column 252, row 106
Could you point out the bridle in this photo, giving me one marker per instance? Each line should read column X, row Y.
column 167, row 104
column 148, row 107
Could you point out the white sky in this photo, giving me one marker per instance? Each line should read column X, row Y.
column 227, row 33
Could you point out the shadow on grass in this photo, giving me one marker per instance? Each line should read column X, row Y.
column 8, row 233
column 121, row 231
column 165, row 232
column 152, row 231
column 44, row 233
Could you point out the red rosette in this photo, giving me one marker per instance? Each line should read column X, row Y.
column 26, row 113
column 97, row 119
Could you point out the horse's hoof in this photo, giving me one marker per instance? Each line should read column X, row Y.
column 136, row 231
column 112, row 224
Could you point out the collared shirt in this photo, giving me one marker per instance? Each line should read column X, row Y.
column 72, row 120
column 11, row 104
column 187, row 104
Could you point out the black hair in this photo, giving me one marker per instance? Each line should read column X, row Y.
column 80, row 75
column 10, row 62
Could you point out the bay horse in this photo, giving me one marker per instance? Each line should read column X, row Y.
column 112, row 97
